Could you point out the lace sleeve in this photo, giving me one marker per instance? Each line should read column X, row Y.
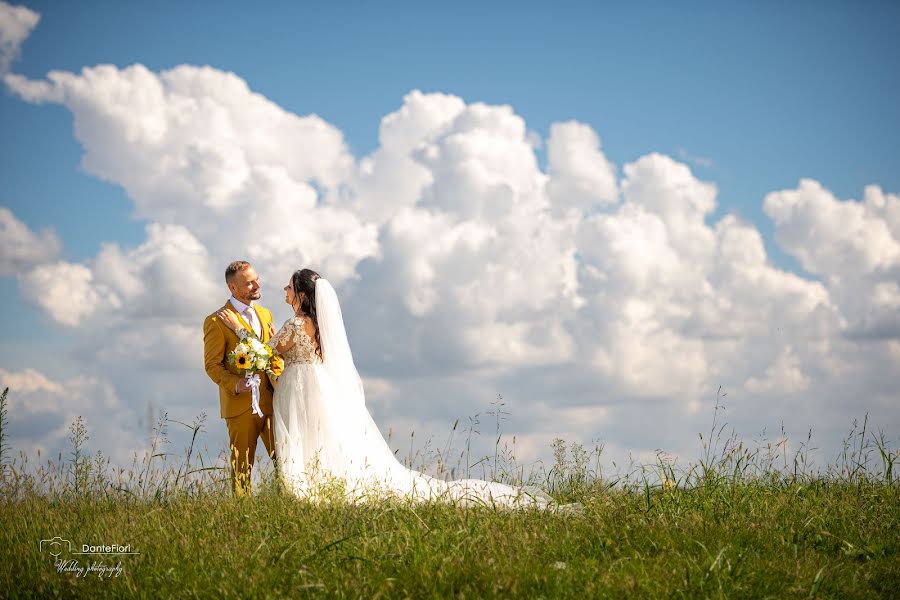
column 285, row 335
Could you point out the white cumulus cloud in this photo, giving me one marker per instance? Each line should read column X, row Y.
column 16, row 23
column 41, row 411
column 853, row 246
column 580, row 174
column 21, row 248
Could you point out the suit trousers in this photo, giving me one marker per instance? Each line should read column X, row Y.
column 243, row 432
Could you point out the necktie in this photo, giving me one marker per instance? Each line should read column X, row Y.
column 250, row 317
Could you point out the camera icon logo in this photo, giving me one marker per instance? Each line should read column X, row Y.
column 55, row 546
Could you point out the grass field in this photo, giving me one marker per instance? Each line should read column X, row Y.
column 737, row 523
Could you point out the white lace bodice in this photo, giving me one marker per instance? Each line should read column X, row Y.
column 304, row 348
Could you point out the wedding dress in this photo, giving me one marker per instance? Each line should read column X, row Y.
column 324, row 433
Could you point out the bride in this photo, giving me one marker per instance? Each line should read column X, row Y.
column 323, row 430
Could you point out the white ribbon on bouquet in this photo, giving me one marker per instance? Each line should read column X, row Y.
column 253, row 382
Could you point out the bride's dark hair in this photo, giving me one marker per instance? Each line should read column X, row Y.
column 304, row 281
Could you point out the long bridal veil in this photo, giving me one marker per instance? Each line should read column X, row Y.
column 336, row 355
column 348, row 445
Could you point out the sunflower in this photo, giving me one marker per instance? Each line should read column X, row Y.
column 242, row 361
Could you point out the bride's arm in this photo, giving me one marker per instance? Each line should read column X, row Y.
column 283, row 341
column 232, row 322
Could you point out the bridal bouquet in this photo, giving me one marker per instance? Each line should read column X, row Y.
column 252, row 357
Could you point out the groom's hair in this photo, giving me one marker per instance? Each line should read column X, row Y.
column 235, row 268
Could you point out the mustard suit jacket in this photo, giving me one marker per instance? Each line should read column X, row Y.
column 218, row 342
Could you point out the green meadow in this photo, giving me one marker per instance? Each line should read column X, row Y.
column 737, row 522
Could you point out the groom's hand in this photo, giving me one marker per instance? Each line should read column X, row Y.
column 242, row 386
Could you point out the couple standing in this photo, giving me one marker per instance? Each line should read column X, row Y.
column 314, row 420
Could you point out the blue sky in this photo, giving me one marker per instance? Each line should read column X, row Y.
column 752, row 96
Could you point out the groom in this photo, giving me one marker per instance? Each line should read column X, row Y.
column 235, row 399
